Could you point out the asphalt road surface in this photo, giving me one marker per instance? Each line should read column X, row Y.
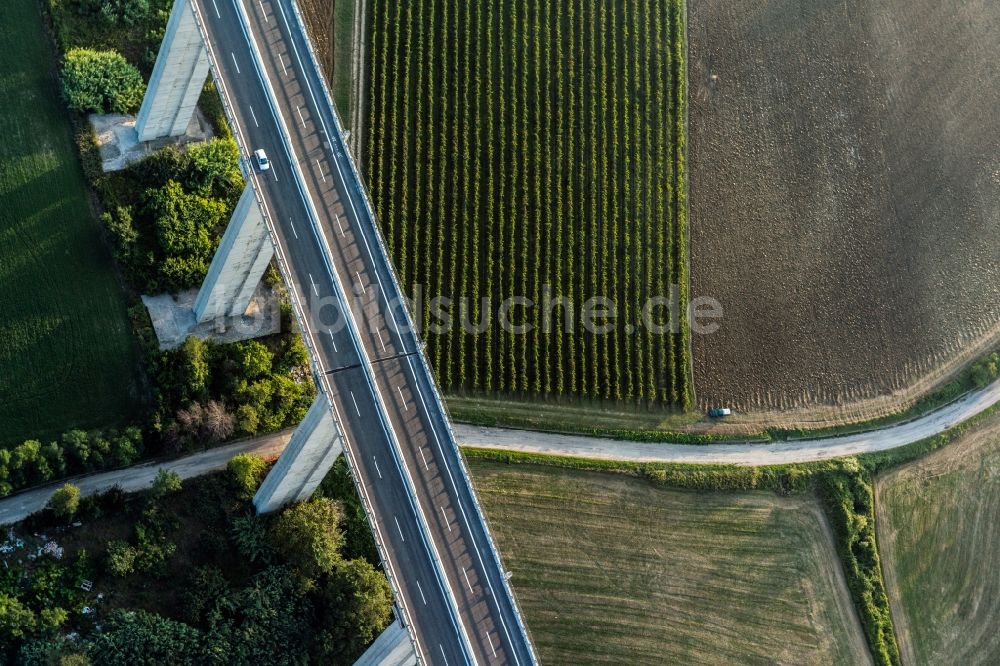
column 437, row 550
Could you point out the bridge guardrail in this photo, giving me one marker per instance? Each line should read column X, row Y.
column 443, row 414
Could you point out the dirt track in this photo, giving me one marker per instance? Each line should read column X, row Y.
column 18, row 506
column 845, row 199
column 581, row 446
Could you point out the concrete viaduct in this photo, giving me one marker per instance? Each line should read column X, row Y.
column 376, row 402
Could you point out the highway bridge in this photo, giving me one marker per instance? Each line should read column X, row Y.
column 451, row 589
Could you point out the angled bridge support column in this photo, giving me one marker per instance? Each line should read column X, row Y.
column 391, row 648
column 310, row 454
column 178, row 76
column 238, row 264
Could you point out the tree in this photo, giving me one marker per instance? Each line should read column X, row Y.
column 101, row 82
column 121, row 557
column 246, row 471
column 77, row 446
column 308, row 535
column 166, row 482
column 187, row 371
column 56, row 459
column 268, row 622
column 358, row 540
column 65, row 501
column 24, row 461
column 210, row 422
column 353, row 607
column 255, row 359
column 294, row 355
column 247, row 419
column 126, row 447
column 217, row 423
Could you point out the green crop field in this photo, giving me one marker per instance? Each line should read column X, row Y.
column 940, row 542
column 67, row 356
column 609, row 569
column 519, row 148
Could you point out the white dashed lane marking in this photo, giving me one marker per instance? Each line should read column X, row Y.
column 399, row 528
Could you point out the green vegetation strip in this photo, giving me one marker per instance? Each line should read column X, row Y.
column 535, row 149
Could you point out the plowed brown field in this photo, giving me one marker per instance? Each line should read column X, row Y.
column 844, row 197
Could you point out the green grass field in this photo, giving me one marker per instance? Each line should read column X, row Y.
column 518, row 149
column 940, row 541
column 67, row 355
column 609, row 569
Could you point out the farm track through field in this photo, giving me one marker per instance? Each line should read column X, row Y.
column 845, row 198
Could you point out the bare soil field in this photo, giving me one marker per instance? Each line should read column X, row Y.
column 940, row 542
column 612, row 570
column 844, row 199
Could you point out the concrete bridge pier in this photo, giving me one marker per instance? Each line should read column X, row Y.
column 238, row 264
column 178, row 76
column 310, row 454
column 392, row 648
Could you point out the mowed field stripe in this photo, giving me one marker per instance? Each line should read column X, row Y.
column 64, row 324
column 643, row 570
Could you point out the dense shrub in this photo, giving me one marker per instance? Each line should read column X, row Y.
column 354, row 606
column 113, row 12
column 250, row 536
column 138, row 638
column 211, row 168
column 57, row 651
column 184, row 224
column 339, row 486
column 850, row 505
column 166, row 482
column 166, row 212
column 202, row 592
column 101, row 82
column 267, row 622
column 121, row 557
column 246, row 471
column 985, row 371
column 16, row 619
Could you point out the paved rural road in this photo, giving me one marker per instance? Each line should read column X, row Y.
column 734, row 453
column 19, row 506
column 449, row 583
